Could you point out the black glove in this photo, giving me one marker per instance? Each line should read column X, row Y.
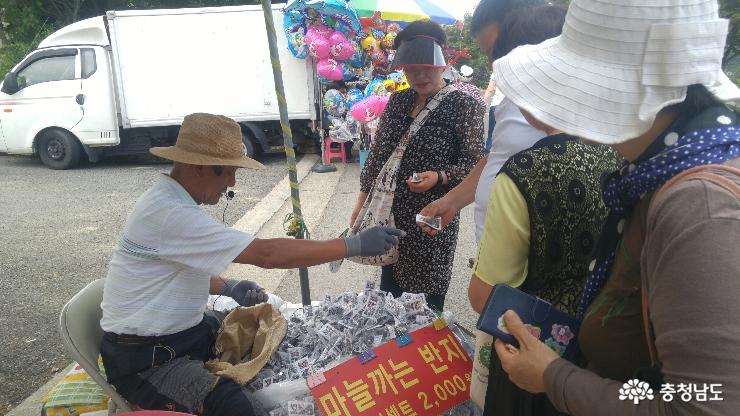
column 244, row 292
column 373, row 241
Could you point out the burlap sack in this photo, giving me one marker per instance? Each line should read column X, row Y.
column 481, row 362
column 257, row 331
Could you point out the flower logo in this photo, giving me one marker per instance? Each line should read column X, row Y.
column 636, row 390
column 562, row 333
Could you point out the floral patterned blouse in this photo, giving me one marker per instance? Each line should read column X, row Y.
column 450, row 140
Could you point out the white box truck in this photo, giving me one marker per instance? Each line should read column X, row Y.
column 123, row 82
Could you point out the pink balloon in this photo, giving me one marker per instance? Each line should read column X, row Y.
column 323, row 30
column 330, row 69
column 319, row 48
column 343, row 50
column 361, row 111
column 381, row 103
column 337, row 37
column 311, row 35
column 370, row 108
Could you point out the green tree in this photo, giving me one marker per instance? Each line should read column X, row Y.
column 459, row 39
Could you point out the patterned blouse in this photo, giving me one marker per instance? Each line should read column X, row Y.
column 450, row 140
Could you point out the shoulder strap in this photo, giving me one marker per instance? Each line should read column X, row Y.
column 699, row 172
column 421, row 117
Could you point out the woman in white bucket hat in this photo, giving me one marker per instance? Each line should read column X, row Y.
column 659, row 310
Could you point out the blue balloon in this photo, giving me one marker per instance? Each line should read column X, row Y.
column 334, row 103
column 376, row 87
column 293, row 22
column 354, row 96
column 359, row 58
column 347, row 73
column 338, row 9
column 297, row 45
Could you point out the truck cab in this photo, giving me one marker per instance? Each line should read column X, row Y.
column 43, row 99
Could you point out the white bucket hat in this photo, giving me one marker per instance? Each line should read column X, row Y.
column 617, row 64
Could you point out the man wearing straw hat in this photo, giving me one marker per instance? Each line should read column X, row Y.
column 167, row 262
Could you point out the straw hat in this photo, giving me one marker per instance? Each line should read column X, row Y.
column 207, row 139
column 617, row 64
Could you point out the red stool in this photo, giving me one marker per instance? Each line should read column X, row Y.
column 332, row 152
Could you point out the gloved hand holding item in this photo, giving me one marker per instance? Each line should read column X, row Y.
column 373, row 241
column 244, row 292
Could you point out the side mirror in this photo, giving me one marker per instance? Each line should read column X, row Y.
column 10, row 84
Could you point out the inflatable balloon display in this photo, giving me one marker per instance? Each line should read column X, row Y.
column 330, row 69
column 319, row 47
column 334, row 103
column 354, row 96
column 297, row 45
column 393, row 27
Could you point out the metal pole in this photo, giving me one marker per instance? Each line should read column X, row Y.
column 295, row 198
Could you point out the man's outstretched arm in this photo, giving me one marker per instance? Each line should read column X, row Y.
column 288, row 253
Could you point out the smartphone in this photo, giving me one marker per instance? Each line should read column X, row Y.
column 435, row 222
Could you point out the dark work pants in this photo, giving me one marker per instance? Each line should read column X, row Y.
column 168, row 372
column 388, row 283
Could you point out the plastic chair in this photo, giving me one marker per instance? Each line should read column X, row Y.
column 79, row 325
column 330, row 153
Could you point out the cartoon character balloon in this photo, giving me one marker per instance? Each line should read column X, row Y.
column 297, row 45
column 378, row 57
column 393, row 27
column 390, row 38
column 378, row 22
column 330, row 69
column 334, row 103
column 369, row 43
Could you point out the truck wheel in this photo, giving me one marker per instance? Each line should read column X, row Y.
column 59, row 149
column 249, row 144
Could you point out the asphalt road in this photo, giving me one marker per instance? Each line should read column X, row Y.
column 57, row 230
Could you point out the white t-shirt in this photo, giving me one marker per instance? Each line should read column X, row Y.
column 159, row 276
column 511, row 135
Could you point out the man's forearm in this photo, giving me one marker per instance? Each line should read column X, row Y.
column 464, row 193
column 288, row 253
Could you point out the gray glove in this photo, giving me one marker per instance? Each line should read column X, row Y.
column 373, row 241
column 244, row 292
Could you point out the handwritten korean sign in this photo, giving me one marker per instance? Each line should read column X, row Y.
column 426, row 377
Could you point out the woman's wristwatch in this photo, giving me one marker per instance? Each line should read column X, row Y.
column 439, row 179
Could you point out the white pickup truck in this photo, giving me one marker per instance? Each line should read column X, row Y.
column 123, row 82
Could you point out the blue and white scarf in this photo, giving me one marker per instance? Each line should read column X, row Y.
column 671, row 155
